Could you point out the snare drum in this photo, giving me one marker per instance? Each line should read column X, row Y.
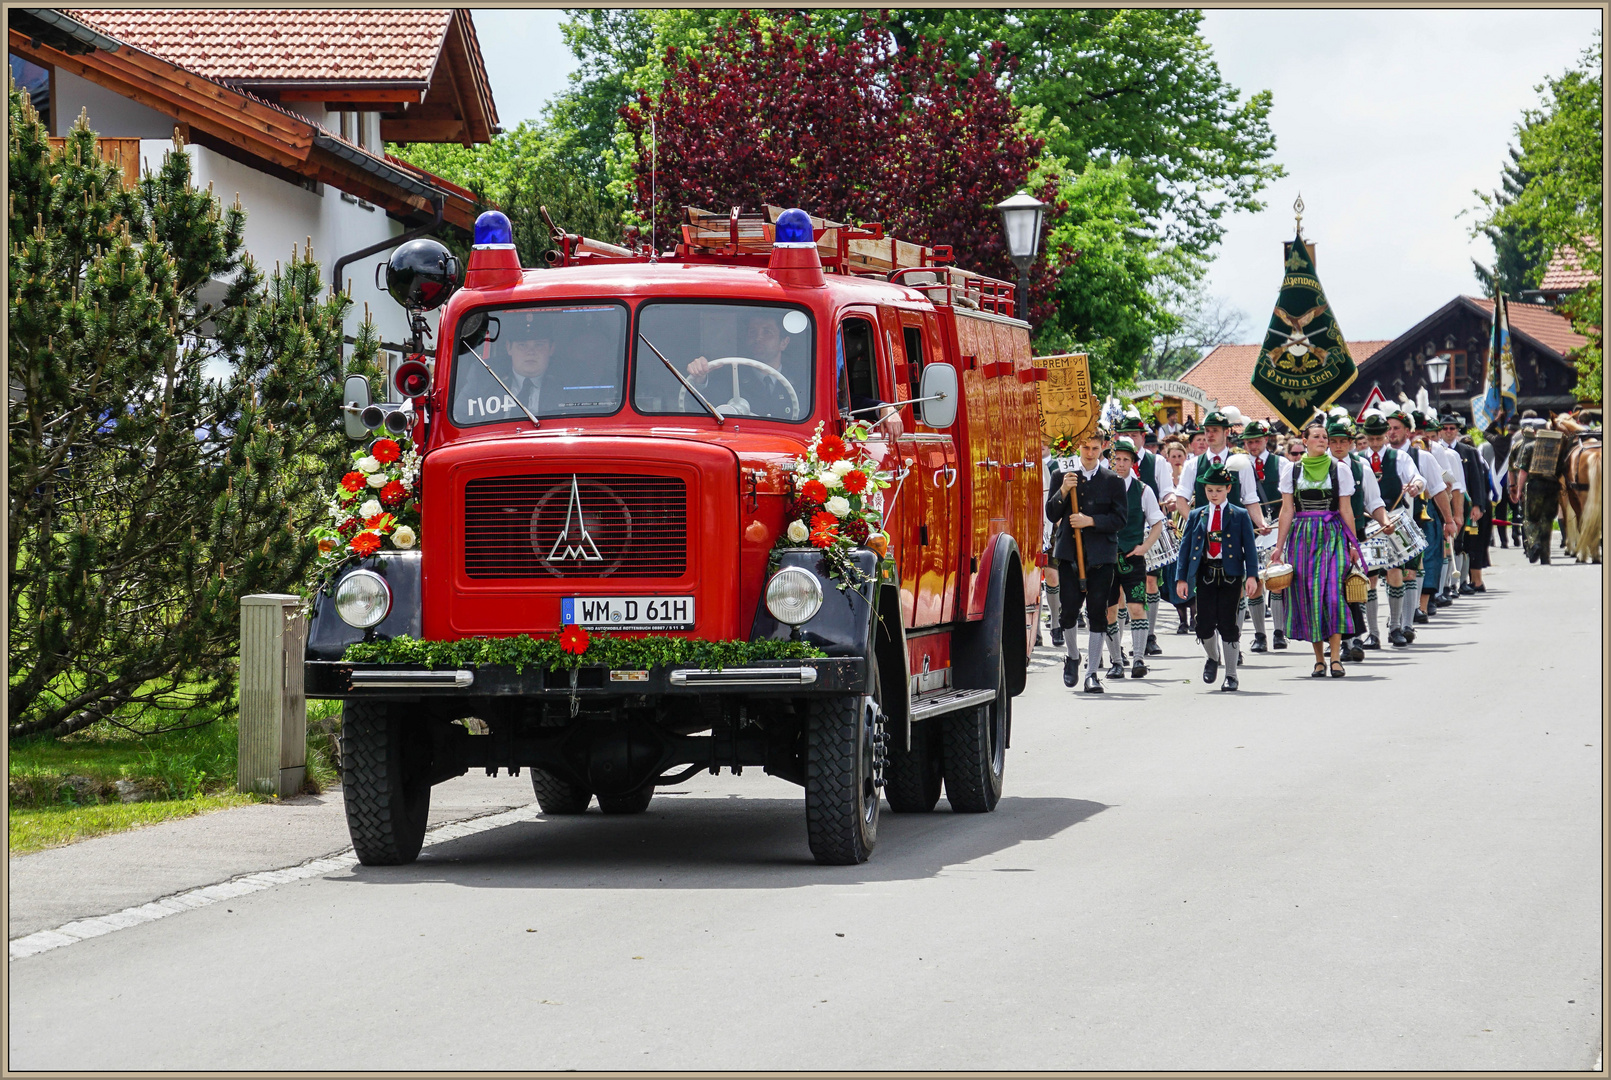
column 1163, row 552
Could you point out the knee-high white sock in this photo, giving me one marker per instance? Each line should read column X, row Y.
column 1395, row 606
column 1054, row 604
column 1230, row 661
column 1210, row 647
column 1138, row 638
column 1278, row 611
column 1113, row 643
column 1152, row 610
column 1371, row 611
column 1093, row 652
column 1071, row 644
column 1258, row 616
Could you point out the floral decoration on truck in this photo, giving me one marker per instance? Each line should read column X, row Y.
column 376, row 505
column 837, row 503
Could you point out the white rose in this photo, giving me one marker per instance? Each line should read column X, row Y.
column 830, row 479
column 369, row 509
column 798, row 533
column 841, row 467
column 838, row 506
column 368, row 464
column 378, row 480
column 403, row 537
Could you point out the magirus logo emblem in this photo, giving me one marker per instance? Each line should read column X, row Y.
column 567, row 548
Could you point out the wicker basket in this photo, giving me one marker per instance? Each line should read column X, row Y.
column 1277, row 576
column 1356, row 587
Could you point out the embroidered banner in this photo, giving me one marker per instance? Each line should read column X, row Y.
column 1305, row 363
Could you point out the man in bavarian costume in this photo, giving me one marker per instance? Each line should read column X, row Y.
column 1104, row 509
column 1216, row 552
column 1154, row 471
column 1132, row 584
column 1366, row 502
column 1434, row 494
column 1397, row 480
column 1268, row 469
column 1538, row 481
column 1061, row 454
column 1442, row 522
column 1454, row 474
column 1471, row 542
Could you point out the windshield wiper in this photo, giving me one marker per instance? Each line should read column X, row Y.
column 684, row 380
column 534, row 421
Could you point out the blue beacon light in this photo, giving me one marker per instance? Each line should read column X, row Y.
column 492, row 229
column 794, row 229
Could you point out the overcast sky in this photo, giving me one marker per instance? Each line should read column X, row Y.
column 1385, row 120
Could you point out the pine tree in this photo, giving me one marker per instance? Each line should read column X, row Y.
column 1519, row 257
column 148, row 493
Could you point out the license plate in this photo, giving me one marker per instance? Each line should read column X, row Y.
column 629, row 612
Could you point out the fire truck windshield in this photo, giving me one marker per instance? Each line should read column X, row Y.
column 746, row 359
column 558, row 361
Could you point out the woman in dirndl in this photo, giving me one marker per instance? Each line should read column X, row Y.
column 1318, row 520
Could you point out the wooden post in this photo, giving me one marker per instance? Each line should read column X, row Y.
column 273, row 713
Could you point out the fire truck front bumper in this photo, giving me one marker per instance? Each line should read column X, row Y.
column 780, row 678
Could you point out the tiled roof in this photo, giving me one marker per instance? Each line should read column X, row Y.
column 1226, row 374
column 1565, row 273
column 1539, row 323
column 249, row 44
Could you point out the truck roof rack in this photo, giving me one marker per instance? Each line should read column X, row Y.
column 745, row 239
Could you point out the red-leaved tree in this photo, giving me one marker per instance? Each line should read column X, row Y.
column 854, row 130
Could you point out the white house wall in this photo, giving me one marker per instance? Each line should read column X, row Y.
column 110, row 113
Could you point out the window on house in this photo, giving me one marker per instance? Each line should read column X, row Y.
column 1456, row 378
column 34, row 81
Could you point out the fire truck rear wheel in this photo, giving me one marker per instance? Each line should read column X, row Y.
column 975, row 747
column 841, row 792
column 913, row 778
column 556, row 796
column 633, row 802
column 386, row 782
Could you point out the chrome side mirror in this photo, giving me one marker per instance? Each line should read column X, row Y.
column 937, row 395
column 354, row 401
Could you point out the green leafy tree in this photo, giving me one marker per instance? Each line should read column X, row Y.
column 146, row 498
column 1519, row 261
column 1562, row 155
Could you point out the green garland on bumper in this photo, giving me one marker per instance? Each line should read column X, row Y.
column 630, row 654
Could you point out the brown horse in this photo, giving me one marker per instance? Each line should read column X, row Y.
column 1581, row 498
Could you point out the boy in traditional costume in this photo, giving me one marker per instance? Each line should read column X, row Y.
column 1217, row 553
column 1132, row 585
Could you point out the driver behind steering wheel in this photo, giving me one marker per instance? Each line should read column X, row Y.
column 766, row 342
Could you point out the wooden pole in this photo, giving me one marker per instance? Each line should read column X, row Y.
column 1079, row 543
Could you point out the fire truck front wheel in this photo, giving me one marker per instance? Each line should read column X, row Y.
column 843, row 736
column 386, row 782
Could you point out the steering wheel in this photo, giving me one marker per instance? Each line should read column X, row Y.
column 736, row 405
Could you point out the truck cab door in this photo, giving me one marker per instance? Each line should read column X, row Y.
column 935, row 474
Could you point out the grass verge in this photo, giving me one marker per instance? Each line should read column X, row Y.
column 36, row 828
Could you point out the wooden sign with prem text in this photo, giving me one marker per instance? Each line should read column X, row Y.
column 1067, row 406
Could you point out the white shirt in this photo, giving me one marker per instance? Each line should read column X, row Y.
column 1427, row 467
column 1407, row 472
column 1345, row 479
column 1151, row 512
column 1451, row 463
column 1188, row 476
column 1373, row 491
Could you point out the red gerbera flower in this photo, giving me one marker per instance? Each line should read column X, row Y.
column 574, row 640
column 855, row 481
column 393, row 494
column 354, row 481
column 385, row 451
column 824, row 520
column 814, row 491
column 378, row 521
column 824, row 538
column 831, row 448
column 365, row 543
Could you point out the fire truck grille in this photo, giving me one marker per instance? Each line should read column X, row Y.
column 566, row 525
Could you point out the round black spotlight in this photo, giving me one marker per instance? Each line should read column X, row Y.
column 422, row 274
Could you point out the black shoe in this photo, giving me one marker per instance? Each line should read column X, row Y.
column 1152, row 646
column 1116, row 669
column 1421, row 616
column 1479, row 588
column 1138, row 670
column 1230, row 684
column 1396, row 638
column 1543, row 558
column 1210, row 669
column 1467, row 589
column 1279, row 639
column 1183, row 628
column 1355, row 655
column 1409, row 635
column 1258, row 643
column 1057, row 636
column 1093, row 685
column 1373, row 642
column 1071, row 671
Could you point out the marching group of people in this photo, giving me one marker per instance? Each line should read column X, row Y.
column 1301, row 532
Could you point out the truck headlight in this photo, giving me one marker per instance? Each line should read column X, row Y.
column 793, row 595
column 363, row 598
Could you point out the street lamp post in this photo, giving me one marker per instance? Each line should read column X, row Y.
column 1437, row 369
column 1021, row 218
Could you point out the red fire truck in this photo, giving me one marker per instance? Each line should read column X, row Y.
column 609, row 443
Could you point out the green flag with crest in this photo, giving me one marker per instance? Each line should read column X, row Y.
column 1304, row 364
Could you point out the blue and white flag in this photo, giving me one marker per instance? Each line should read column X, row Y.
column 1499, row 400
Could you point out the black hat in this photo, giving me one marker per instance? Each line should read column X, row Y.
column 1454, row 420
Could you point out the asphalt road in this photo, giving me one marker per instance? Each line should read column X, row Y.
column 1396, row 870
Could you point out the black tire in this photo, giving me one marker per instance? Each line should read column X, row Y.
column 633, row 802
column 841, row 792
column 974, row 750
column 556, row 796
column 386, row 782
column 913, row 777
